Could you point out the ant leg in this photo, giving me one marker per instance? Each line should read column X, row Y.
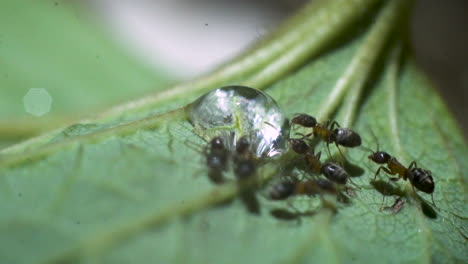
column 341, row 153
column 318, row 155
column 332, row 125
column 303, row 136
column 303, row 176
column 432, row 199
column 382, row 204
column 378, row 171
column 328, row 151
column 413, row 164
column 394, row 179
column 195, row 147
column 352, row 182
column 384, row 194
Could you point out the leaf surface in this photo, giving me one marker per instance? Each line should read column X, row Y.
column 127, row 188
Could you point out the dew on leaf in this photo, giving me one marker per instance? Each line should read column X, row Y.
column 232, row 112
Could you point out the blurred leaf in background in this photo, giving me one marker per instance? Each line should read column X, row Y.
column 55, row 46
column 123, row 187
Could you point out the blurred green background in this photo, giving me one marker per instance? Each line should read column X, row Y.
column 81, row 57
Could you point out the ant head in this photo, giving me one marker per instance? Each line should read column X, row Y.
column 380, row 157
column 422, row 180
column 217, row 143
column 242, row 145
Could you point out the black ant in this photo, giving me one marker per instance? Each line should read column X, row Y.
column 335, row 172
column 245, row 167
column 332, row 171
column 419, row 178
column 217, row 158
column 244, row 159
column 330, row 132
column 288, row 188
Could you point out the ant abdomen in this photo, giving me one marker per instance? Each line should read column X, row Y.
column 345, row 137
column 335, row 173
column 326, row 185
column 422, row 180
column 299, row 145
column 244, row 168
column 282, row 191
column 304, row 120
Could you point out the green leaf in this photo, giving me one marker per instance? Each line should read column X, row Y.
column 124, row 187
column 52, row 45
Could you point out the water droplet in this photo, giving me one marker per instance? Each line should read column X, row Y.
column 37, row 101
column 235, row 111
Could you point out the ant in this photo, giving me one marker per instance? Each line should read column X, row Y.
column 288, row 188
column 244, row 159
column 330, row 132
column 297, row 144
column 245, row 167
column 332, row 171
column 217, row 158
column 419, row 178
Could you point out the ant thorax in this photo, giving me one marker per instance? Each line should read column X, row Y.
column 323, row 132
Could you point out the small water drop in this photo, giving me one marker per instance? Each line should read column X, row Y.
column 235, row 111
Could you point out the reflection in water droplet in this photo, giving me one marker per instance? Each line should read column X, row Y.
column 234, row 111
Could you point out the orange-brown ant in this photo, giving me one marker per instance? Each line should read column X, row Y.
column 419, row 178
column 330, row 132
column 331, row 170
